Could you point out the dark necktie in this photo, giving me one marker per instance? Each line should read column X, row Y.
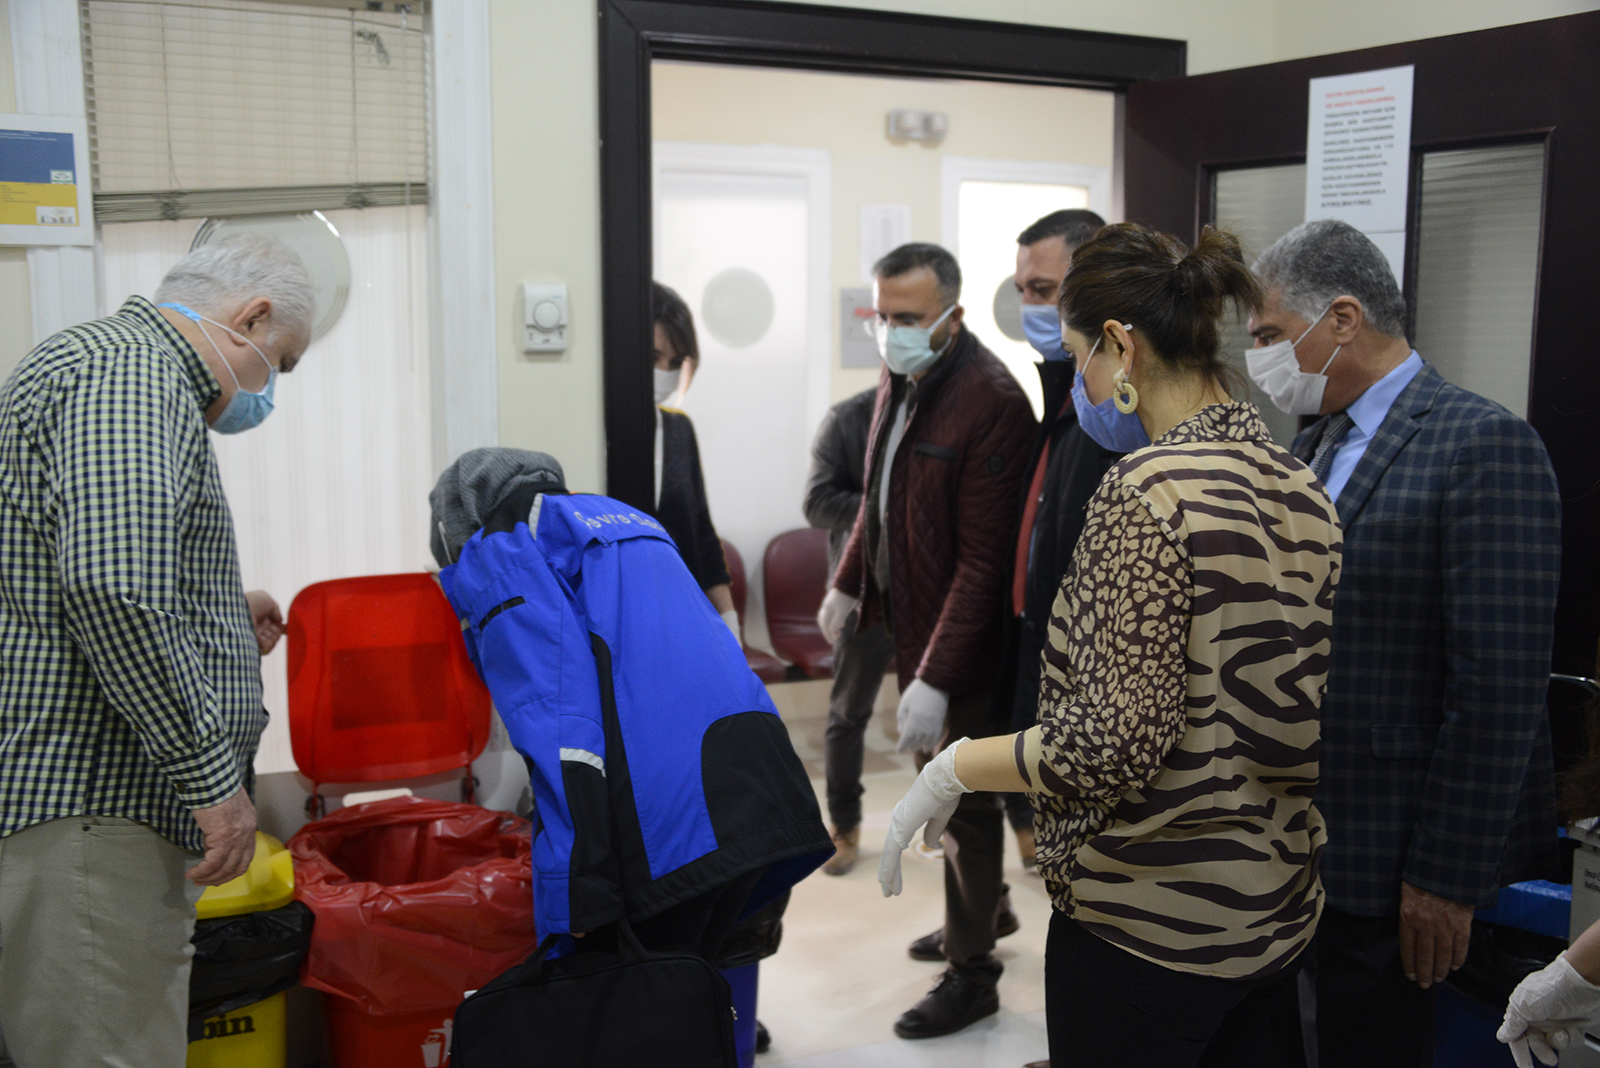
column 1339, row 424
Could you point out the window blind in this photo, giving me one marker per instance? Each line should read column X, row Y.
column 228, row 107
column 1478, row 230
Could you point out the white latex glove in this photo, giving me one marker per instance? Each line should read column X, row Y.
column 929, row 804
column 1547, row 1011
column 731, row 618
column 921, row 717
column 836, row 608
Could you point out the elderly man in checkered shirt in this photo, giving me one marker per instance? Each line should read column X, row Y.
column 1437, row 782
column 130, row 692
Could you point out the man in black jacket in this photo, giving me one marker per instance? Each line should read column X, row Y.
column 1064, row 469
column 833, row 497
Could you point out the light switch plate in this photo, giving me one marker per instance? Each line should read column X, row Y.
column 545, row 321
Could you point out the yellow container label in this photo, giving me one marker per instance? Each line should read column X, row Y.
column 251, row 1037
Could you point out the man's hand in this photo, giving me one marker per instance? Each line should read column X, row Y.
column 1434, row 933
column 266, row 619
column 230, row 834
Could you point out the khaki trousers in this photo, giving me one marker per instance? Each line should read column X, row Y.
column 95, row 922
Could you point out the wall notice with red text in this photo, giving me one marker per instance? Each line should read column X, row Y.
column 1358, row 155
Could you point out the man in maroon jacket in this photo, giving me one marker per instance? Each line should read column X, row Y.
column 930, row 556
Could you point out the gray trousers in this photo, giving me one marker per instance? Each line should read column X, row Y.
column 95, row 922
column 859, row 663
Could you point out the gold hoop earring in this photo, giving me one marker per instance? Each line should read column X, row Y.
column 1123, row 393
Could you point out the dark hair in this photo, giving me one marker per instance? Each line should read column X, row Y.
column 669, row 310
column 1074, row 225
column 1174, row 295
column 917, row 255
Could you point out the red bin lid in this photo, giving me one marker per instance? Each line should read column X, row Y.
column 380, row 686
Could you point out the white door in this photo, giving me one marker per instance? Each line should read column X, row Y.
column 741, row 234
column 986, row 204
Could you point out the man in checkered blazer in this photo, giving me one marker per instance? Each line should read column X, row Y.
column 1436, row 776
column 130, row 686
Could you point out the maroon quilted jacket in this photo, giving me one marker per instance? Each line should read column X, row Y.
column 953, row 495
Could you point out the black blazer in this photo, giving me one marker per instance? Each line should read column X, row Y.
column 682, row 508
column 1436, row 763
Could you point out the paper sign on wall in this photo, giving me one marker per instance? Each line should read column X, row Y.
column 884, row 228
column 44, row 181
column 1358, row 155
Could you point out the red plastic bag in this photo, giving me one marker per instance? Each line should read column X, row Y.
column 416, row 901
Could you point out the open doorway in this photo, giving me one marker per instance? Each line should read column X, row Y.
column 830, row 997
column 791, row 183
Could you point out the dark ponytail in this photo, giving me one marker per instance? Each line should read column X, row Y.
column 1172, row 294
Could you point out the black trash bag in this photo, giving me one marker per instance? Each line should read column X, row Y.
column 240, row 960
column 1500, row 957
column 756, row 937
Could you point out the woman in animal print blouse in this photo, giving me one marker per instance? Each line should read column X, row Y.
column 1175, row 758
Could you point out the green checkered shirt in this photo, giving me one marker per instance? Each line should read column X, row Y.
column 130, row 683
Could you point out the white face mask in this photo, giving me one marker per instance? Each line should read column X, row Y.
column 1276, row 370
column 908, row 349
column 666, row 383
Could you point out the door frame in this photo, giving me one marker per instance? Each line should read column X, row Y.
column 1471, row 89
column 633, row 33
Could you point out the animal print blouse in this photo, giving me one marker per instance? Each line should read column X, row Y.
column 1176, row 754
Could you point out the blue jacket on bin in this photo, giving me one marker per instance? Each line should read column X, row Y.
column 659, row 765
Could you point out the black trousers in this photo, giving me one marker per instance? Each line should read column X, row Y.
column 974, row 856
column 859, row 663
column 1106, row 1008
column 1362, row 1012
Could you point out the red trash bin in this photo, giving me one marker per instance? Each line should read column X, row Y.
column 417, row 901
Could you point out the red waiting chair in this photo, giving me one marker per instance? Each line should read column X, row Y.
column 767, row 667
column 795, row 577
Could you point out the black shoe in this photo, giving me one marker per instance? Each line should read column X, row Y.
column 955, row 1002
column 763, row 1038
column 931, row 946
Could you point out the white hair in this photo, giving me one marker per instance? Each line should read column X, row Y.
column 218, row 279
column 1323, row 259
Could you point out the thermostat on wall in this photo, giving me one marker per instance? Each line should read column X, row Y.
column 544, row 317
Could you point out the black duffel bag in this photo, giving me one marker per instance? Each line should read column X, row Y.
column 599, row 1008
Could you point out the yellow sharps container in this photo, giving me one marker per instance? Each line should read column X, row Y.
column 254, row 1036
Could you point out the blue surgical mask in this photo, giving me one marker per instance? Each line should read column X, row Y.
column 244, row 410
column 908, row 349
column 1042, row 325
column 1111, row 429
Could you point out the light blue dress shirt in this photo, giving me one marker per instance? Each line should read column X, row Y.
column 1367, row 412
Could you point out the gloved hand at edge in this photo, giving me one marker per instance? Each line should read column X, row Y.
column 929, row 804
column 1547, row 1012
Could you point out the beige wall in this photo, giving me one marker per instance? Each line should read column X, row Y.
column 16, row 317
column 546, row 154
column 845, row 115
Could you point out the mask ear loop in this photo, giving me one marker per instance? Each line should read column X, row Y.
column 444, row 541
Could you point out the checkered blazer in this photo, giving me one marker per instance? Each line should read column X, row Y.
column 1436, row 762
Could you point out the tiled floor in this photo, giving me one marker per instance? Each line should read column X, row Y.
column 831, row 995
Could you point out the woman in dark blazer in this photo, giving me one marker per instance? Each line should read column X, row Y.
column 680, row 486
